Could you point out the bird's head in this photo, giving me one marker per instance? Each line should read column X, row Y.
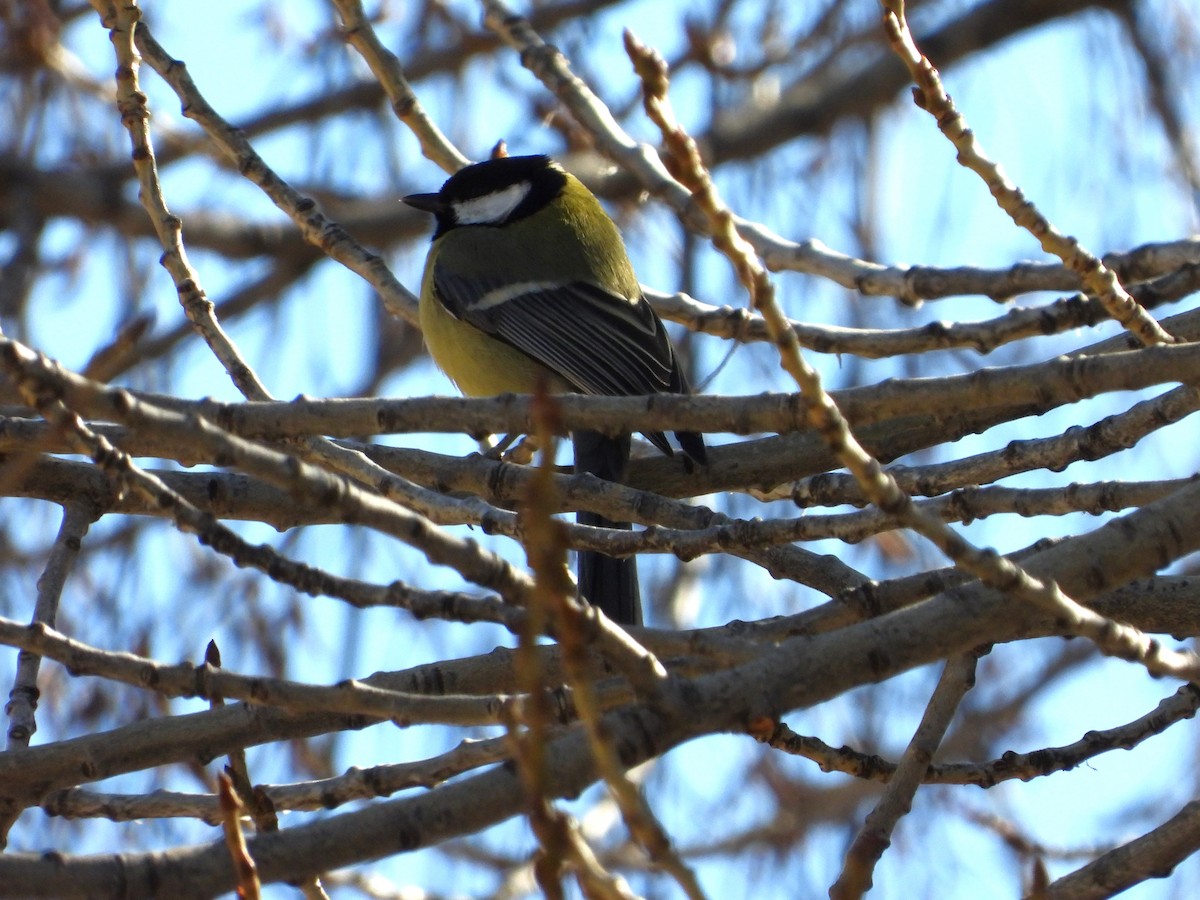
column 493, row 193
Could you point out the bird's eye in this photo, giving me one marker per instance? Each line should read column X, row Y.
column 493, row 208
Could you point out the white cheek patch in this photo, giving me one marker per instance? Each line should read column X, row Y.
column 493, row 208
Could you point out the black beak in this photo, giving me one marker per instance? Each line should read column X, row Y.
column 430, row 203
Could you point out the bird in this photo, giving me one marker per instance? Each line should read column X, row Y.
column 527, row 280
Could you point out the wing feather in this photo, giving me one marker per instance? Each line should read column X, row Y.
column 598, row 341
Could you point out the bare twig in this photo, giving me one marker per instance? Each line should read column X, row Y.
column 23, row 698
column 248, row 887
column 1153, row 855
column 123, row 20
column 1098, row 279
column 390, row 74
column 874, row 837
column 317, row 228
column 1180, row 706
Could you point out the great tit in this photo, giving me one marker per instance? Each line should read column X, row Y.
column 527, row 278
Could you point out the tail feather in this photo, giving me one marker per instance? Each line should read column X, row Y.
column 607, row 581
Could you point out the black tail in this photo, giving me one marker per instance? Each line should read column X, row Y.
column 606, row 581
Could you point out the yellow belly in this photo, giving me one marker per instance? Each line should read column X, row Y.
column 479, row 364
